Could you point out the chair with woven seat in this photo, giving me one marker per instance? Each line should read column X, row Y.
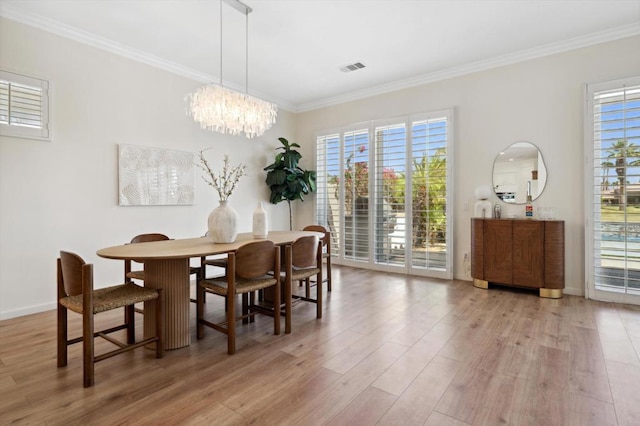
column 76, row 293
column 306, row 261
column 142, row 238
column 254, row 266
column 326, row 249
column 130, row 275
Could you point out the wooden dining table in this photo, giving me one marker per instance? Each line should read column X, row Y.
column 166, row 267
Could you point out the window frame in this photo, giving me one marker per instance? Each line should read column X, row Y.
column 408, row 121
column 591, row 290
column 43, row 132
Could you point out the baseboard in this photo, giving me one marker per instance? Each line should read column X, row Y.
column 573, row 291
column 27, row 311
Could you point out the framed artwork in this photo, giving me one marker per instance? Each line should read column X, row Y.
column 155, row 177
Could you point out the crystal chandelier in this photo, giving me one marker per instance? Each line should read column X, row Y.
column 225, row 110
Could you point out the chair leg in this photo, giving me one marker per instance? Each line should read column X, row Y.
column 231, row 324
column 62, row 335
column 307, row 287
column 160, row 325
column 87, row 349
column 319, row 295
column 130, row 321
column 276, row 309
column 199, row 311
column 252, row 302
column 245, row 308
column 329, row 274
column 287, row 305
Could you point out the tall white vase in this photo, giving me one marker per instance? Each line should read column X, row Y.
column 223, row 224
column 260, row 222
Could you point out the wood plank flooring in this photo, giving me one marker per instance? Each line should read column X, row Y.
column 390, row 350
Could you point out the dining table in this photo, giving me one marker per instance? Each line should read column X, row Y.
column 167, row 267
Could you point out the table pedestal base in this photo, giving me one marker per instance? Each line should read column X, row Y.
column 172, row 276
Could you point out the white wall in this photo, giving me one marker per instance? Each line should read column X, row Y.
column 62, row 195
column 540, row 101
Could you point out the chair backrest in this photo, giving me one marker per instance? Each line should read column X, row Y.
column 71, row 265
column 255, row 259
column 326, row 239
column 145, row 238
column 304, row 252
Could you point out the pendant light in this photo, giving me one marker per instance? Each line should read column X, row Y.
column 224, row 110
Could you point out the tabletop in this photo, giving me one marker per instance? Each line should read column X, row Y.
column 194, row 247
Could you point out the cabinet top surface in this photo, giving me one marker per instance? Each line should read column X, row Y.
column 517, row 219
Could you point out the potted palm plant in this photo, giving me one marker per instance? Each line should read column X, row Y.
column 286, row 179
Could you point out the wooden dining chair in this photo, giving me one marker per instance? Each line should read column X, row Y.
column 254, row 266
column 142, row 238
column 130, row 275
column 326, row 249
column 305, row 262
column 76, row 293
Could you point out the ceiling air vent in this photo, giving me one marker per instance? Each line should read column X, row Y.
column 352, row 67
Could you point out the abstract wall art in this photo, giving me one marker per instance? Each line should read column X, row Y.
column 150, row 176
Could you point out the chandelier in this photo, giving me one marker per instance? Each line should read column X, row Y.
column 225, row 110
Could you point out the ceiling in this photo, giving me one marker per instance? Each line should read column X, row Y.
column 296, row 47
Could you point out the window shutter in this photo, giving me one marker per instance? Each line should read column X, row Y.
column 382, row 187
column 613, row 234
column 389, row 218
column 24, row 106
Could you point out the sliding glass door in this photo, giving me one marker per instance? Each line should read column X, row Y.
column 383, row 192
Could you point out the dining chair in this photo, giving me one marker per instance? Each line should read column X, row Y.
column 76, row 293
column 142, row 238
column 254, row 266
column 326, row 249
column 305, row 256
column 130, row 275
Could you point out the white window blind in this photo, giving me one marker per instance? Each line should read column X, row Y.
column 389, row 218
column 613, row 234
column 383, row 193
column 24, row 106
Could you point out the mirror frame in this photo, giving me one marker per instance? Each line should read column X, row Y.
column 512, row 197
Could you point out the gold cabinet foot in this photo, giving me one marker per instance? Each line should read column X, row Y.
column 480, row 283
column 551, row 293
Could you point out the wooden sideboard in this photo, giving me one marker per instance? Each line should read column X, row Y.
column 518, row 252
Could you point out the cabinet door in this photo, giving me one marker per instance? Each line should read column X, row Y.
column 554, row 254
column 528, row 253
column 477, row 248
column 498, row 251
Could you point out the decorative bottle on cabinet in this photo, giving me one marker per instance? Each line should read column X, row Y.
column 260, row 222
column 528, row 208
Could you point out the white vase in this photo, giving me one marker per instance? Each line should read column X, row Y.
column 260, row 222
column 223, row 224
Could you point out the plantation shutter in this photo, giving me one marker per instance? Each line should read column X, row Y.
column 389, row 219
column 24, row 106
column 613, row 234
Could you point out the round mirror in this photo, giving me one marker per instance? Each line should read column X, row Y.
column 519, row 171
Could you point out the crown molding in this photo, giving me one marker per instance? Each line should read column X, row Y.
column 13, row 13
column 513, row 58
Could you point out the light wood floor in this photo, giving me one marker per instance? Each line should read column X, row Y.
column 390, row 350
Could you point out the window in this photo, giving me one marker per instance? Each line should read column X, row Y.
column 382, row 191
column 24, row 106
column 613, row 191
